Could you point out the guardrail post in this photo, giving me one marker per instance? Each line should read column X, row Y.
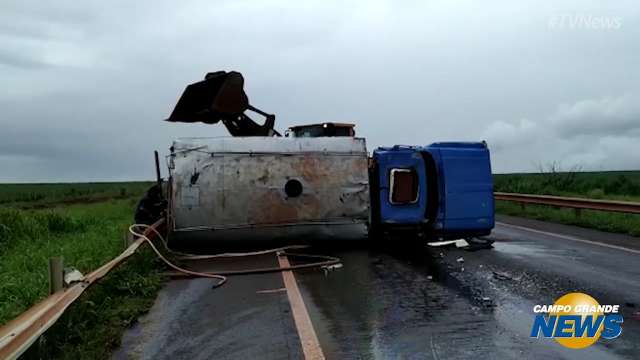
column 56, row 274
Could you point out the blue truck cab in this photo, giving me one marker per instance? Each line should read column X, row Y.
column 444, row 190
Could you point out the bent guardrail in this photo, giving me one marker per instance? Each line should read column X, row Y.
column 20, row 333
column 571, row 202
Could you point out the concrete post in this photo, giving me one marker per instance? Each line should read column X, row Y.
column 56, row 274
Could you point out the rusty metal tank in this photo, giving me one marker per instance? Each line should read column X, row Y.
column 262, row 188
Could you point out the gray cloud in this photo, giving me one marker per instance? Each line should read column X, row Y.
column 85, row 86
column 605, row 116
column 591, row 133
column 18, row 60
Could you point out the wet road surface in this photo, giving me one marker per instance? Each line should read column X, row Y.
column 396, row 302
column 247, row 318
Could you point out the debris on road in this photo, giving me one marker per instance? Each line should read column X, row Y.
column 479, row 244
column 72, row 275
column 460, row 243
column 487, row 302
column 332, row 267
column 501, row 276
column 328, row 268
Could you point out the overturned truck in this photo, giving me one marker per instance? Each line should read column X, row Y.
column 318, row 181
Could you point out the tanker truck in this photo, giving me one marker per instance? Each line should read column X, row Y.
column 318, row 181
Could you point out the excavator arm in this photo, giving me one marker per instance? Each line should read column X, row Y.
column 221, row 97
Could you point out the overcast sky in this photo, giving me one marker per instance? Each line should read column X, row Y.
column 85, row 86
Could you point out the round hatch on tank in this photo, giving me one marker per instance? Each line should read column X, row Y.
column 293, row 188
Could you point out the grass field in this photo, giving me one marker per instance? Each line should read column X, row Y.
column 86, row 227
column 615, row 185
column 621, row 185
column 52, row 195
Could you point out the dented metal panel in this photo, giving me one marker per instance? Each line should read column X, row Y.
column 268, row 183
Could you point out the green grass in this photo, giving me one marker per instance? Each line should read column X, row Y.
column 47, row 195
column 86, row 234
column 615, row 185
column 611, row 222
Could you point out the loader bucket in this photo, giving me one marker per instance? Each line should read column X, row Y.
column 220, row 96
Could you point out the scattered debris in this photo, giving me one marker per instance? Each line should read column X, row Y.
column 460, row 243
column 502, row 276
column 329, row 268
column 333, row 267
column 429, row 277
column 486, row 301
column 470, row 244
column 460, row 260
column 72, row 275
column 479, row 244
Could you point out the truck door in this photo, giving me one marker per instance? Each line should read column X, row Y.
column 402, row 191
column 467, row 187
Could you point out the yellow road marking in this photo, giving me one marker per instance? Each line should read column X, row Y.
column 310, row 344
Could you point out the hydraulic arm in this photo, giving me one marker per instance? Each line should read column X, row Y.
column 221, row 97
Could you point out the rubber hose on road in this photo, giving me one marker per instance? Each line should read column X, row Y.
column 221, row 275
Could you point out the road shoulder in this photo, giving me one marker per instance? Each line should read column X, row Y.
column 622, row 240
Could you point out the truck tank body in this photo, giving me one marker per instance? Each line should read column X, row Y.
column 265, row 188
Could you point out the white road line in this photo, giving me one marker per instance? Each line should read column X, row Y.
column 310, row 344
column 567, row 237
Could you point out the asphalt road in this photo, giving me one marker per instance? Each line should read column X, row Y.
column 399, row 301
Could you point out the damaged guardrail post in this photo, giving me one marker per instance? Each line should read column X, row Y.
column 56, row 274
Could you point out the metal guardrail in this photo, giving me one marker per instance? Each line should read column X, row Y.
column 571, row 202
column 20, row 333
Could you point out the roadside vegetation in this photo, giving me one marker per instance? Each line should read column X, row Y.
column 55, row 195
column 87, row 228
column 611, row 185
